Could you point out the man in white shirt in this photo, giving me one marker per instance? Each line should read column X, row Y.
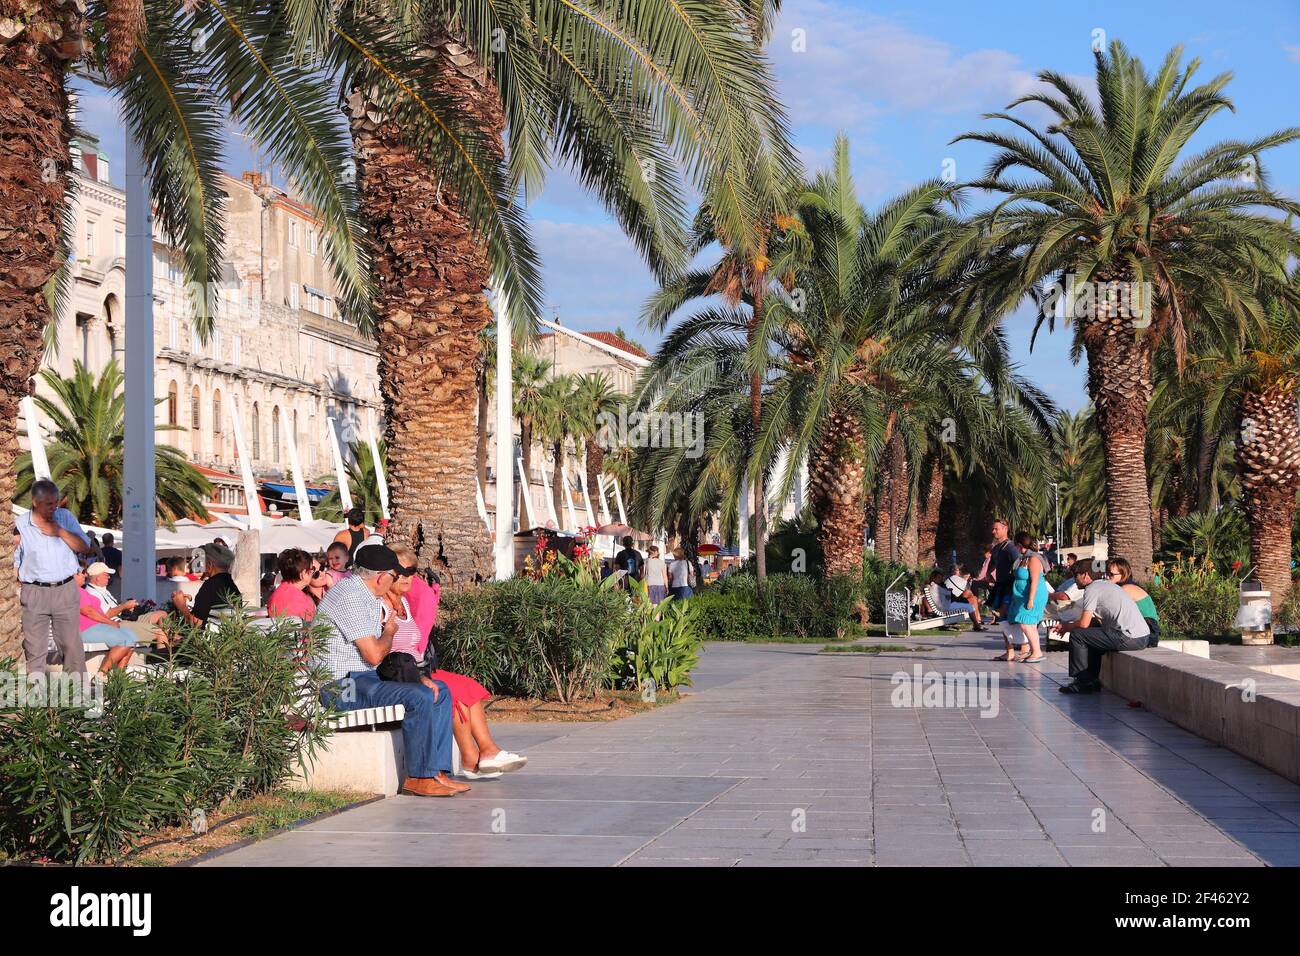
column 50, row 539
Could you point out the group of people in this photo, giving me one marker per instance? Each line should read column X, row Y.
column 676, row 578
column 1099, row 614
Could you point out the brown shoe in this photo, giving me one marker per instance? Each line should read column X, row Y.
column 453, row 785
column 426, row 787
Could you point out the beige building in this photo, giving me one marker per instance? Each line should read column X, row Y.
column 278, row 349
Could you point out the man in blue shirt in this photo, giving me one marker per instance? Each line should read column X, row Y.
column 50, row 539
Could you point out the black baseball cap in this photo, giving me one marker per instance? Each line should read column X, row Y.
column 376, row 557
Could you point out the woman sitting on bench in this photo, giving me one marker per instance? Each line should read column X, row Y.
column 99, row 611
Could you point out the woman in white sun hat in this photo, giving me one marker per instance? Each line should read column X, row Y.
column 99, row 610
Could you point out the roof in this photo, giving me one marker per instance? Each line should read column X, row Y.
column 612, row 339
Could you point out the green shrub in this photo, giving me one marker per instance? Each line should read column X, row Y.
column 527, row 638
column 662, row 644
column 728, row 616
column 1195, row 601
column 877, row 575
column 85, row 780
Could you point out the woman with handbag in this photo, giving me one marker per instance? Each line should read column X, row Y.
column 480, row 756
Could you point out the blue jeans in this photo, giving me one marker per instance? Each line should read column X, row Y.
column 426, row 728
column 682, row 593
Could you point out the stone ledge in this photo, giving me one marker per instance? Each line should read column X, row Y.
column 1259, row 720
column 364, row 761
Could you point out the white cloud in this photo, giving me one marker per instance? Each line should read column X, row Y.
column 594, row 276
column 856, row 68
column 1292, row 52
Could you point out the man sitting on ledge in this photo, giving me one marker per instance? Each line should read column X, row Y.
column 359, row 640
column 1110, row 620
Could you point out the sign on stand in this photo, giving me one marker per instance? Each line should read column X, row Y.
column 898, row 609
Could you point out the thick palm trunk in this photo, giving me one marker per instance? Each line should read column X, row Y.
column 33, row 167
column 1119, row 382
column 1268, row 463
column 835, row 472
column 888, row 477
column 431, row 271
column 595, row 465
column 928, row 520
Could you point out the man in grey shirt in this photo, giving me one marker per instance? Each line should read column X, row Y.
column 1110, row 620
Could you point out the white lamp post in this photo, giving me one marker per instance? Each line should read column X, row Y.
column 504, row 550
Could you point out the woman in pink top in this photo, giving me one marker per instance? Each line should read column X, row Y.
column 290, row 599
column 479, row 754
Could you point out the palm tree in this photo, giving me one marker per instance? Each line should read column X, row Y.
column 85, row 457
column 528, row 379
column 594, row 398
column 363, row 484
column 625, row 95
column 1109, row 206
column 557, row 423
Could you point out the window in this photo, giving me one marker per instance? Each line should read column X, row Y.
column 172, row 410
column 90, row 239
column 216, row 343
column 194, row 338
column 311, row 241
column 173, row 331
column 295, row 296
column 311, row 350
column 275, row 434
column 293, row 233
column 216, row 424
column 257, row 436
column 119, row 241
column 237, row 356
column 196, row 422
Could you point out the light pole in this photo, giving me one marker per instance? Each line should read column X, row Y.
column 504, row 549
column 1056, row 506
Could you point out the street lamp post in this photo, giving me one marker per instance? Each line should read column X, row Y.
column 504, row 544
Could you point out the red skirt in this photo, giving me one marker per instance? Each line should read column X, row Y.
column 465, row 691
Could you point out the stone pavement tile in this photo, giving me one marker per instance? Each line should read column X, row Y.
column 922, row 857
column 1201, row 861
column 1153, row 834
column 1108, row 856
column 764, row 839
column 642, row 862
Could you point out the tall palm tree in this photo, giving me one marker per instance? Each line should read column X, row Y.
column 631, row 97
column 558, row 422
column 593, row 399
column 529, row 379
column 180, row 73
column 363, row 484
column 1108, row 209
column 86, row 456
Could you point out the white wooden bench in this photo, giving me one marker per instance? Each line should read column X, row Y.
column 944, row 620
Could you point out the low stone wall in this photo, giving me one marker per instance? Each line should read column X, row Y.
column 364, row 761
column 1243, row 709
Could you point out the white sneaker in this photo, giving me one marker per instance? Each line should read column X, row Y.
column 505, row 761
column 479, row 774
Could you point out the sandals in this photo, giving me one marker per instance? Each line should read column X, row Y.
column 1033, row 660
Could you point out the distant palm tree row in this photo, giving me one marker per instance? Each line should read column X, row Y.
column 877, row 339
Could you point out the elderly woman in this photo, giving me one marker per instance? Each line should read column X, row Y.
column 479, row 754
column 99, row 611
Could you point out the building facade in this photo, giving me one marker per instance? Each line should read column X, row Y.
column 278, row 359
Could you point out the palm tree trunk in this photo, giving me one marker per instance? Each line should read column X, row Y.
column 1268, row 462
column 928, row 510
column 431, row 271
column 33, row 167
column 888, row 477
column 759, row 509
column 835, row 472
column 595, row 465
column 481, row 446
column 526, row 451
column 557, row 483
column 1119, row 382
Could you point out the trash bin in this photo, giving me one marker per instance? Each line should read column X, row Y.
column 1255, row 613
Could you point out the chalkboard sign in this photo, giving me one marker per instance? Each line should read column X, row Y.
column 898, row 611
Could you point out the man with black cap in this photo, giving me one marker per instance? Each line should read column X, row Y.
column 359, row 639
column 217, row 591
column 355, row 532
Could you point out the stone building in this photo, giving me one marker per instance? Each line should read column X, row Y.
column 278, row 352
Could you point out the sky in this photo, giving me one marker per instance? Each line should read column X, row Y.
column 901, row 80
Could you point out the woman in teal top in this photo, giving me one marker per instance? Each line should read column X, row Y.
column 1121, row 572
column 1029, row 593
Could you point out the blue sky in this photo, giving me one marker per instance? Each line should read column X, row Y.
column 901, row 80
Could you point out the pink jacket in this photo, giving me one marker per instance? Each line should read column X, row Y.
column 424, row 599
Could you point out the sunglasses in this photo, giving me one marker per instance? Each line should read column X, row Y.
column 405, row 572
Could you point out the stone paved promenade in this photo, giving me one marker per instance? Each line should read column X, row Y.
column 778, row 734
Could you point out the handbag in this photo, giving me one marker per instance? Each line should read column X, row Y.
column 399, row 667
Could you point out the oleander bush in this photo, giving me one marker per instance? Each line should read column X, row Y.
column 729, row 616
column 661, row 645
column 788, row 605
column 84, row 775
column 1195, row 601
column 550, row 637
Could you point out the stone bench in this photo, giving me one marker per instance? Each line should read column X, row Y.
column 1252, row 713
column 365, row 754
